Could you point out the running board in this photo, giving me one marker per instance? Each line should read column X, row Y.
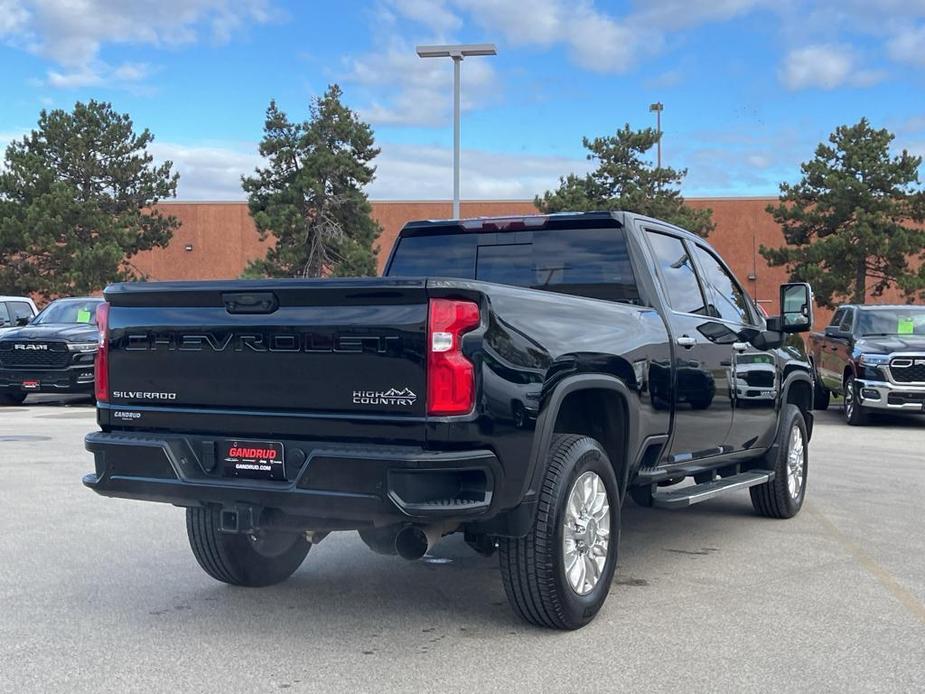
column 701, row 492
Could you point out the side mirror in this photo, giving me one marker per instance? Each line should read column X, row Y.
column 796, row 307
column 22, row 320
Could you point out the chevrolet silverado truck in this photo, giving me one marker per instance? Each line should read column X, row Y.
column 874, row 358
column 510, row 379
column 53, row 352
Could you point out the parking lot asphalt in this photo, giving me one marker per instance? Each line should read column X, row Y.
column 104, row 594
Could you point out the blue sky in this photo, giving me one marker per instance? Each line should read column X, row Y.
column 749, row 86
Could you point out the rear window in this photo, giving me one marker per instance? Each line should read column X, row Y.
column 585, row 262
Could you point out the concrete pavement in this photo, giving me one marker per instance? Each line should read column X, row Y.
column 104, row 594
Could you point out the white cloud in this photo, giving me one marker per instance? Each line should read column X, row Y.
column 908, row 46
column 73, row 33
column 673, row 15
column 434, row 14
column 13, row 17
column 825, row 66
column 420, row 91
column 416, row 172
column 402, row 89
column 594, row 40
column 98, row 74
column 403, row 172
column 597, row 40
column 209, row 172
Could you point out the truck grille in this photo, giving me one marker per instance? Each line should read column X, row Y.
column 55, row 357
column 908, row 369
column 760, row 379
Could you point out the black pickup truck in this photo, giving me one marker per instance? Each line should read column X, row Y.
column 874, row 357
column 545, row 369
column 51, row 353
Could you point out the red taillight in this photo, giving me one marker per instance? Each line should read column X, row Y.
column 101, row 363
column 450, row 376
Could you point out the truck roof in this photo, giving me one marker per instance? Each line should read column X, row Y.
column 874, row 307
column 512, row 223
column 15, row 298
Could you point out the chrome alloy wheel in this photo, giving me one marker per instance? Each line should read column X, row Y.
column 849, row 398
column 586, row 532
column 796, row 460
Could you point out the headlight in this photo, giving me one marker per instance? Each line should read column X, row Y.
column 874, row 359
column 83, row 347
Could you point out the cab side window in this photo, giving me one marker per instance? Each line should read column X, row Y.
column 729, row 301
column 4, row 316
column 837, row 318
column 677, row 273
column 847, row 322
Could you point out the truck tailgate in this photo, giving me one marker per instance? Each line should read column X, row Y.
column 326, row 346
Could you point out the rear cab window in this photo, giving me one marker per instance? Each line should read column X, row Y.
column 593, row 263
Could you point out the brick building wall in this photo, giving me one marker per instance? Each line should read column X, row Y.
column 218, row 239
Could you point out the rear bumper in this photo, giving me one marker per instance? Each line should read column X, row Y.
column 74, row 379
column 891, row 397
column 327, row 486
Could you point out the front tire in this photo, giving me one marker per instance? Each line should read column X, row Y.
column 855, row 414
column 782, row 497
column 254, row 560
column 559, row 574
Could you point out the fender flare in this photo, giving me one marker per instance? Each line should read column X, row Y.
column 546, row 422
column 791, row 378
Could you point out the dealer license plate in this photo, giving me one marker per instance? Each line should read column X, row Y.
column 260, row 460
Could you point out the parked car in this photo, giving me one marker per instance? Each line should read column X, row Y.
column 53, row 353
column 874, row 357
column 15, row 311
column 278, row 411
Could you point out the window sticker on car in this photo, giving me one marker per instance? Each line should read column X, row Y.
column 906, row 326
column 83, row 315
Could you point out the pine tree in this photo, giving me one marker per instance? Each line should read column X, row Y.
column 625, row 180
column 77, row 200
column 850, row 222
column 310, row 196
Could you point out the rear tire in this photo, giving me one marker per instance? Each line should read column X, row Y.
column 239, row 559
column 855, row 414
column 12, row 399
column 783, row 496
column 573, row 541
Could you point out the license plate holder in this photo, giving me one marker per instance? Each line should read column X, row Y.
column 31, row 384
column 256, row 460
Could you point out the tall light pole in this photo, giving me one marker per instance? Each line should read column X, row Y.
column 457, row 53
column 658, row 106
